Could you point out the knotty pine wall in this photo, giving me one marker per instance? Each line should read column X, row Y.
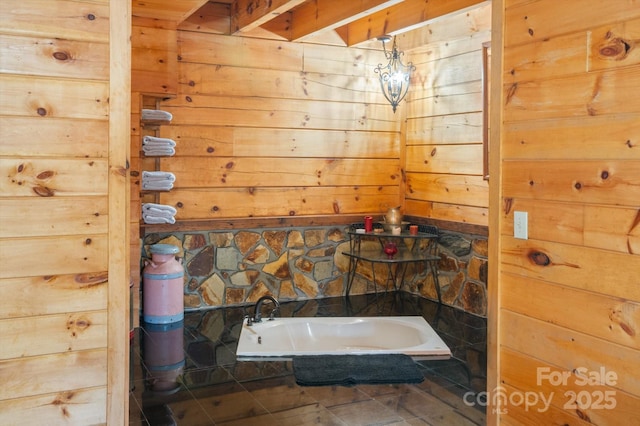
column 569, row 296
column 443, row 133
column 267, row 128
column 64, row 106
column 154, row 76
column 245, row 108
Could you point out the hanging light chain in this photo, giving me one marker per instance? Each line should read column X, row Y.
column 395, row 76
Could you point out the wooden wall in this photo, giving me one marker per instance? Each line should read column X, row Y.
column 569, row 296
column 154, row 76
column 63, row 317
column 270, row 128
column 443, row 132
column 267, row 128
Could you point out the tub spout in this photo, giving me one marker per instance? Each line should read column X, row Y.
column 257, row 316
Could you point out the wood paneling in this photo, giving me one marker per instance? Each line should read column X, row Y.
column 24, row 377
column 266, row 128
column 523, row 373
column 530, row 21
column 84, row 406
column 62, row 255
column 609, row 318
column 607, row 92
column 23, row 217
column 200, row 79
column 539, row 339
column 201, row 48
column 154, row 59
column 54, row 333
column 609, row 228
column 568, row 298
column 445, row 159
column 219, row 141
column 53, row 294
column 576, row 266
column 610, row 47
column 461, row 98
column 63, row 163
column 229, row 172
column 452, row 189
column 564, row 54
column 445, row 34
column 212, row 203
column 445, row 129
column 54, row 57
column 443, row 134
column 589, row 138
column 269, row 128
column 220, row 111
column 53, row 138
column 49, row 97
column 447, row 212
column 613, row 182
column 40, row 177
column 85, row 21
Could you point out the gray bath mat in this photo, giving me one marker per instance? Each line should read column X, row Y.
column 349, row 370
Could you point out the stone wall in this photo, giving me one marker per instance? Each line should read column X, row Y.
column 462, row 273
column 237, row 267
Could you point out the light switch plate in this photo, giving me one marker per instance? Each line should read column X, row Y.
column 521, row 225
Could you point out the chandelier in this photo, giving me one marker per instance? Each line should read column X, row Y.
column 395, row 76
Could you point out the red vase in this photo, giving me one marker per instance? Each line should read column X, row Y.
column 390, row 249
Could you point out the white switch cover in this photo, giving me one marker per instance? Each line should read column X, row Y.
column 521, row 225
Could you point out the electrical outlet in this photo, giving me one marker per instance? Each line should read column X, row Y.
column 521, row 225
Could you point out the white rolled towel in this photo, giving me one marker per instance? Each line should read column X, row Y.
column 160, row 142
column 156, row 114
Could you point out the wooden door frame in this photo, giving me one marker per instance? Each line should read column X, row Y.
column 495, row 210
column 117, row 402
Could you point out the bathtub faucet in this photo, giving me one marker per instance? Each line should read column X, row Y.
column 257, row 316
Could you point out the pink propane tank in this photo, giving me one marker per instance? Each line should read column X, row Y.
column 163, row 286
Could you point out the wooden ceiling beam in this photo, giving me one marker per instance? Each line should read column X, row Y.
column 212, row 18
column 402, row 17
column 247, row 15
column 167, row 10
column 316, row 16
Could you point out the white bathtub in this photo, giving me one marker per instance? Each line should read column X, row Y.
column 287, row 337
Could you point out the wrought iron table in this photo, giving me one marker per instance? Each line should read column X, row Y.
column 412, row 249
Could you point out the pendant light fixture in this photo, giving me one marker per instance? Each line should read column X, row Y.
column 395, row 76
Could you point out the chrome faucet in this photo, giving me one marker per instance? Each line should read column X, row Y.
column 257, row 315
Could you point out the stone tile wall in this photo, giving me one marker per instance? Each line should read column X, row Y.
column 237, row 267
column 462, row 273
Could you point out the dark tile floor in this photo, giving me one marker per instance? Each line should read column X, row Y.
column 187, row 373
